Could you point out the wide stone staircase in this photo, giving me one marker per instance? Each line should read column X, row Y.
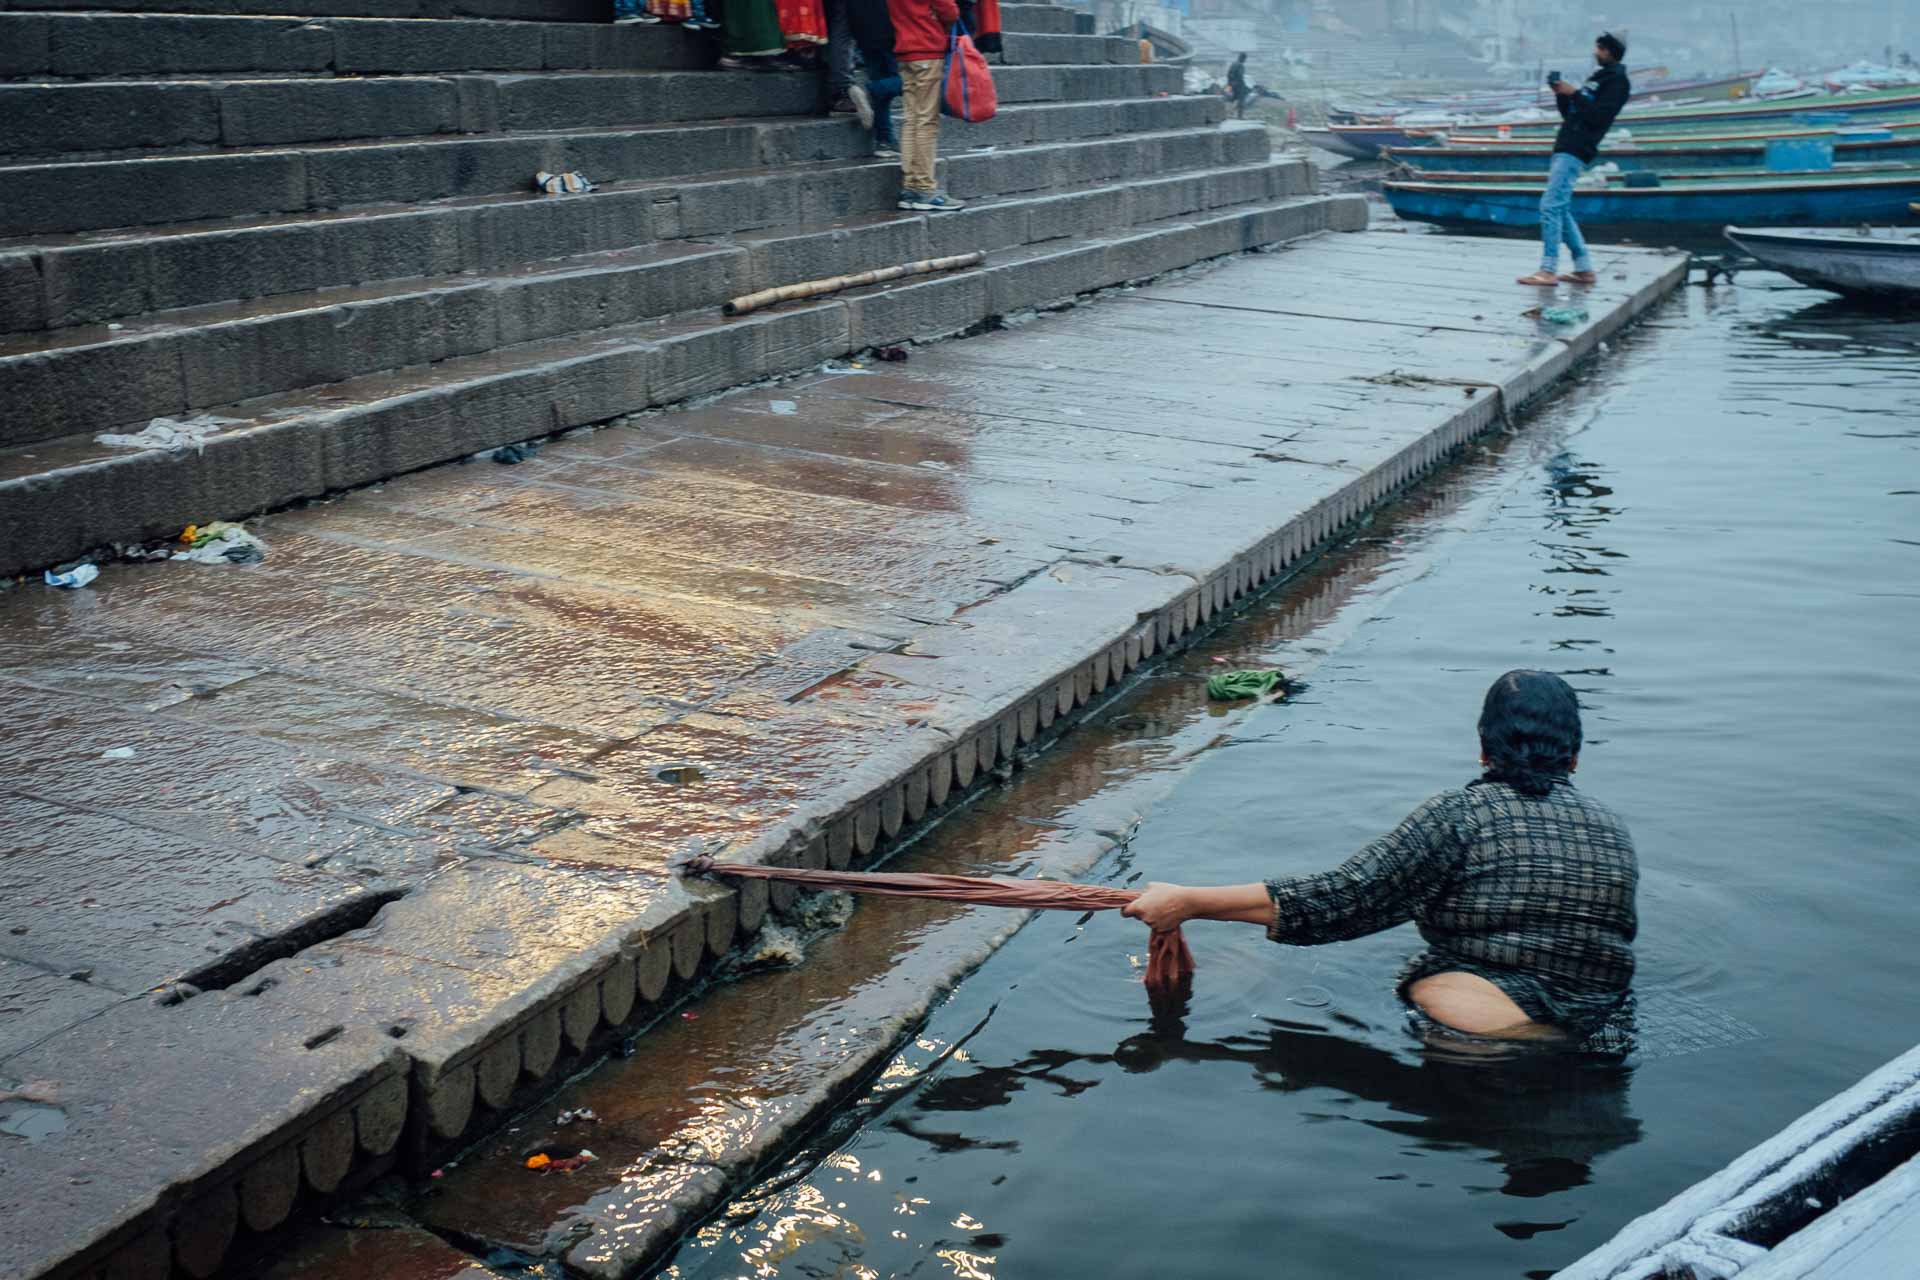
column 317, row 236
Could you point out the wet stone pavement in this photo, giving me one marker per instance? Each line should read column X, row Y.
column 323, row 866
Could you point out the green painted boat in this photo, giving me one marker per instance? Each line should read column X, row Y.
column 1830, row 198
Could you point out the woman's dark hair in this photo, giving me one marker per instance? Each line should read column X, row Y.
column 1529, row 731
column 1613, row 44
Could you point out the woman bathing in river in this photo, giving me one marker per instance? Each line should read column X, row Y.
column 1522, row 887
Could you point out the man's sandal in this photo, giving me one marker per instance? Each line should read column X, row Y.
column 1581, row 277
column 1545, row 279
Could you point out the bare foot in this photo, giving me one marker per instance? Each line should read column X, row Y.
column 1545, row 279
column 1581, row 277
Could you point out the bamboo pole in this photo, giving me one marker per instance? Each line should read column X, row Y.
column 833, row 284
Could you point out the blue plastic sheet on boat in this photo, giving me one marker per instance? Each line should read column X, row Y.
column 1788, row 155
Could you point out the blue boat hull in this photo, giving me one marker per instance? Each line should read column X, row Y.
column 1499, row 205
column 1684, row 160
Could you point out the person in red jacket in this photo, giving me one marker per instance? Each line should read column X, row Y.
column 920, row 31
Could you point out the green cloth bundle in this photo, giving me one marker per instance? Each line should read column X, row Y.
column 1230, row 686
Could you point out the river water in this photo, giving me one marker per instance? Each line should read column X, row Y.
column 1715, row 535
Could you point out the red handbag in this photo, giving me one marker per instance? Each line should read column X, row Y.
column 967, row 90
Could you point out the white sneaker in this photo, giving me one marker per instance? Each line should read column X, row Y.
column 862, row 104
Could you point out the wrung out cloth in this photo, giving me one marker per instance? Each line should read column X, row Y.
column 1169, row 961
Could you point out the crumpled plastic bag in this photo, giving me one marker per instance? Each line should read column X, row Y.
column 175, row 435
column 78, row 576
column 220, row 542
column 569, row 183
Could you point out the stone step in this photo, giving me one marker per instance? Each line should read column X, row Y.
column 40, row 45
column 67, row 120
column 1047, row 19
column 90, row 280
column 55, row 197
column 58, row 498
column 119, row 46
column 177, row 362
column 600, row 11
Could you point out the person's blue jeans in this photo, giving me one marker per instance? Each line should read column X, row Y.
column 884, row 90
column 1556, row 215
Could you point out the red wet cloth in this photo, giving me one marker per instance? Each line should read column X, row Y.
column 1169, row 961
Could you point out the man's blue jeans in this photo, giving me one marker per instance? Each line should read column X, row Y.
column 1556, row 215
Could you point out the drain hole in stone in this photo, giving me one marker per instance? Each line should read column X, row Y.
column 677, row 775
column 330, row 1034
column 399, row 1030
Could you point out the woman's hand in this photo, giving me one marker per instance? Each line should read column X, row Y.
column 1161, row 907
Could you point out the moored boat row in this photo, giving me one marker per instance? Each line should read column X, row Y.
column 1367, row 139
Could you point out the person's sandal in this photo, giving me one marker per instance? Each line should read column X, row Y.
column 1545, row 279
column 1580, row 277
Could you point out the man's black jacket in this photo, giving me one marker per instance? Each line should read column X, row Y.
column 1589, row 113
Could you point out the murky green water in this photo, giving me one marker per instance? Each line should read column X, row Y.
column 1716, row 537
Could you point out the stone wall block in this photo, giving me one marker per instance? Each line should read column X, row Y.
column 203, row 1230
column 497, row 1070
column 268, row 1188
column 754, row 895
column 652, row 969
column 689, row 942
column 916, row 793
column 380, row 1115
column 540, row 1043
column 618, row 991
column 966, row 760
column 893, row 810
column 146, row 1257
column 449, row 1104
column 326, row 1151
column 722, row 923
column 580, row 1015
column 840, row 842
column 986, row 748
column 940, row 780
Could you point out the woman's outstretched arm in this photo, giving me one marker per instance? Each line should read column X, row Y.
column 1377, row 888
column 1168, row 906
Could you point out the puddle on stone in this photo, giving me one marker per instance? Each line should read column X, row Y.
column 31, row 1120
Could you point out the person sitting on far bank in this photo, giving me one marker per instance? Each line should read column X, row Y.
column 920, row 29
column 1522, row 887
column 1586, row 115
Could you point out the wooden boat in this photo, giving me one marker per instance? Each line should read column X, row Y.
column 1367, row 140
column 1881, row 263
column 1810, row 199
column 1840, row 105
column 1900, row 122
column 1902, row 148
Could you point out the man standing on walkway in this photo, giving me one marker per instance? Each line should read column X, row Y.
column 1237, row 85
column 1586, row 115
column 920, row 31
